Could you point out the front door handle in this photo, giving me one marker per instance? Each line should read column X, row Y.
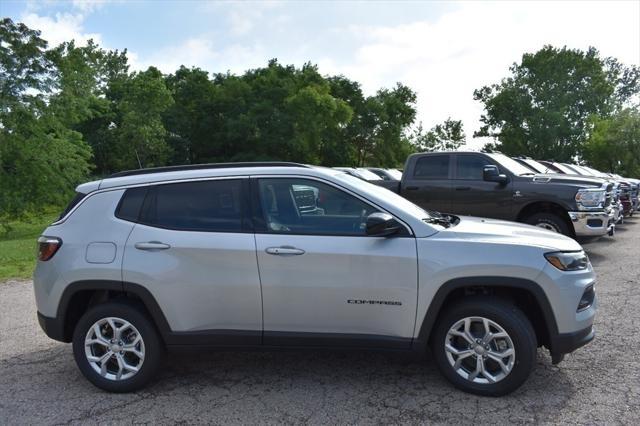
column 285, row 251
column 463, row 188
column 152, row 245
column 411, row 188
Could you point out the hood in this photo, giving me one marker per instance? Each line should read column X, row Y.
column 503, row 232
column 594, row 182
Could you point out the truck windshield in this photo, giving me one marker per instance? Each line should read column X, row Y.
column 512, row 165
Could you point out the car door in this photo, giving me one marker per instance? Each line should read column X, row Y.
column 472, row 195
column 429, row 184
column 324, row 281
column 193, row 249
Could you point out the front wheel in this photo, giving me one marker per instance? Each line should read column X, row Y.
column 550, row 222
column 484, row 346
column 116, row 347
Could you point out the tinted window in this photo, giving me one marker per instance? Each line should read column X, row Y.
column 212, row 206
column 470, row 166
column 302, row 206
column 130, row 204
column 432, row 167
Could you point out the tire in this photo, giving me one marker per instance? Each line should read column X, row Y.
column 520, row 336
column 549, row 221
column 144, row 355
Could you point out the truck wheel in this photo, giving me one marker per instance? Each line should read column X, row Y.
column 549, row 221
column 484, row 346
column 116, row 347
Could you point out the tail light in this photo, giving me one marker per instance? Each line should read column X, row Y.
column 47, row 247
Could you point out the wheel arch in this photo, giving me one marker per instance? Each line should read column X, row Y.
column 517, row 289
column 545, row 207
column 79, row 296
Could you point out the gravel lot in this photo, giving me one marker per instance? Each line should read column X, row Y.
column 600, row 383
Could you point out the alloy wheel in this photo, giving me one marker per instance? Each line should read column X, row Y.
column 114, row 348
column 480, row 350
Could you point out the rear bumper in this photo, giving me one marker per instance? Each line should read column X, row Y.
column 52, row 327
column 592, row 224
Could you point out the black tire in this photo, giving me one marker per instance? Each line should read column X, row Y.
column 153, row 345
column 507, row 316
column 550, row 221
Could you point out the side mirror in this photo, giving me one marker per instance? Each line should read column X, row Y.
column 381, row 225
column 492, row 174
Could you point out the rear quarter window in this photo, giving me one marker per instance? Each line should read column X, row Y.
column 131, row 204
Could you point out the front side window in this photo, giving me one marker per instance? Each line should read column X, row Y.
column 469, row 167
column 432, row 167
column 208, row 206
column 305, row 206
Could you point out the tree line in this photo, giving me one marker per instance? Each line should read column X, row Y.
column 68, row 112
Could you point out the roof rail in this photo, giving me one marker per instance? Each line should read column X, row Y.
column 205, row 166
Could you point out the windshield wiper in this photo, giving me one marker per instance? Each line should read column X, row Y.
column 438, row 218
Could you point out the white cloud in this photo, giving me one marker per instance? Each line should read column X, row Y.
column 445, row 60
column 202, row 52
column 60, row 27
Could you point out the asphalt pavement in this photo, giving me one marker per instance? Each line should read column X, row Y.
column 600, row 383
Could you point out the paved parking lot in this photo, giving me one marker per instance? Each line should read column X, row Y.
column 39, row 382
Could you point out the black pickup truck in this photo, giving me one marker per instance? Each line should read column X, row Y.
column 496, row 186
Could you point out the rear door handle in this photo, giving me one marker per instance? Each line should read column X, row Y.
column 463, row 188
column 411, row 188
column 285, row 251
column 152, row 245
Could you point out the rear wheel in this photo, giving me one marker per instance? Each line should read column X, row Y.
column 550, row 222
column 116, row 347
column 484, row 346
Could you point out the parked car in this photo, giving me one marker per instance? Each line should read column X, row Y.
column 387, row 174
column 618, row 187
column 496, row 186
column 360, row 173
column 229, row 256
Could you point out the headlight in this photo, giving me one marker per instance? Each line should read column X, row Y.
column 568, row 260
column 590, row 197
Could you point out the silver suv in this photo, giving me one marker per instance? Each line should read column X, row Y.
column 279, row 254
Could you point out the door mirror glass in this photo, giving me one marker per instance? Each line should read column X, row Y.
column 382, row 225
column 492, row 174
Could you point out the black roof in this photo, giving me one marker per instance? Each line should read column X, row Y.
column 205, row 166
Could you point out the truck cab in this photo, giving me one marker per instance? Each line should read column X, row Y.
column 495, row 186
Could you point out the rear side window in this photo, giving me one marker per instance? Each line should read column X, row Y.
column 469, row 167
column 79, row 196
column 131, row 203
column 209, row 206
column 432, row 167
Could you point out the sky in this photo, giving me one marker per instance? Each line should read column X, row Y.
column 442, row 50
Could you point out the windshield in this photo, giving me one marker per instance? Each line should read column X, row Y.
column 389, row 196
column 539, row 167
column 564, row 169
column 367, row 174
column 395, row 174
column 512, row 165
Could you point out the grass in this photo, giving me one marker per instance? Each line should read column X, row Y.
column 18, row 246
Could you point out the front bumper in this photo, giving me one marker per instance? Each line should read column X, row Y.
column 565, row 343
column 593, row 224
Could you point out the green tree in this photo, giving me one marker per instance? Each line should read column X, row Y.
column 543, row 109
column 614, row 144
column 41, row 159
column 447, row 136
